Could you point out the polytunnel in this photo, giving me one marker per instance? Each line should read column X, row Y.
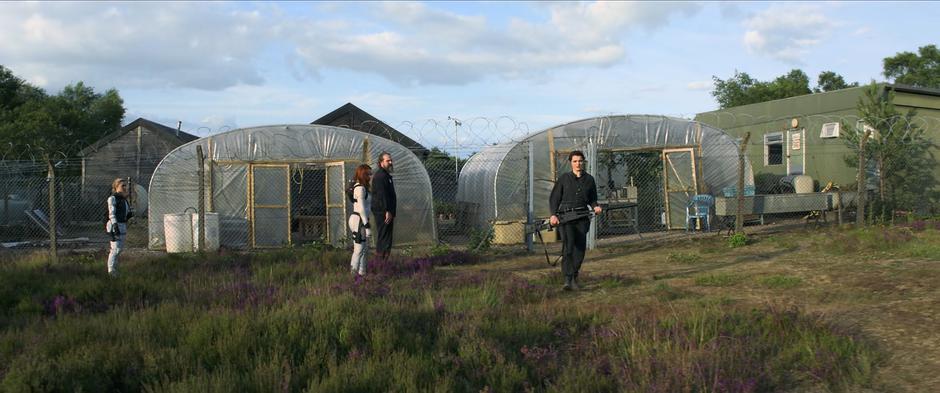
column 654, row 164
column 281, row 185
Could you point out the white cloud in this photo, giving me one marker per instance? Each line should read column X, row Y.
column 412, row 43
column 217, row 46
column 699, row 85
column 786, row 32
column 141, row 44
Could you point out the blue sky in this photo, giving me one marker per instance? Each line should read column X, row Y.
column 503, row 68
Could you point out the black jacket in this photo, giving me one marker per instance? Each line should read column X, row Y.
column 571, row 192
column 121, row 209
column 383, row 193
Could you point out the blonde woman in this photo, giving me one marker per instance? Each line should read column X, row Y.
column 119, row 211
column 359, row 219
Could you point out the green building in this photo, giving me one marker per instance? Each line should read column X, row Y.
column 804, row 135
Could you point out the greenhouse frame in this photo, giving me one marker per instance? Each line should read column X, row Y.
column 283, row 185
column 684, row 157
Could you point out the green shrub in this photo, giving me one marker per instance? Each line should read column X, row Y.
column 481, row 239
column 737, row 240
column 440, row 249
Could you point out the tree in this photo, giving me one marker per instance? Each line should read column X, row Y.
column 734, row 91
column 921, row 70
column 742, row 89
column 897, row 151
column 830, row 81
column 14, row 91
column 34, row 125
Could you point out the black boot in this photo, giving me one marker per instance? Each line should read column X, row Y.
column 567, row 286
column 574, row 283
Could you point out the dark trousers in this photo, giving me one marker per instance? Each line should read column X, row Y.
column 383, row 233
column 574, row 243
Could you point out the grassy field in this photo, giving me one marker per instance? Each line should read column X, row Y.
column 833, row 310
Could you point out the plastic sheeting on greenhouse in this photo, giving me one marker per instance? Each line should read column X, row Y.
column 275, row 186
column 496, row 179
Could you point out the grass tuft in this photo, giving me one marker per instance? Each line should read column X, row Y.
column 719, row 280
column 686, row 258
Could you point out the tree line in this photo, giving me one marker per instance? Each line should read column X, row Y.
column 37, row 125
column 920, row 69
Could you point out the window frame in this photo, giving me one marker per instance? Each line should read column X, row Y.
column 778, row 140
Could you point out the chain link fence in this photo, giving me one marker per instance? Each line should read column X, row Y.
column 649, row 183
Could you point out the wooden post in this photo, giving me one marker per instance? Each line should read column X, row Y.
column 201, row 159
column 739, row 213
column 53, row 242
column 862, row 188
column 365, row 151
column 530, row 197
column 551, row 155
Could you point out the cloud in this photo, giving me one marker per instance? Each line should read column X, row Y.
column 217, row 46
column 700, row 85
column 415, row 44
column 786, row 32
column 141, row 44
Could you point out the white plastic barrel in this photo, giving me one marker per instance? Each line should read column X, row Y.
column 802, row 184
column 178, row 232
column 212, row 232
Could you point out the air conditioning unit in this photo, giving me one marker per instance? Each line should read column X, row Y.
column 830, row 130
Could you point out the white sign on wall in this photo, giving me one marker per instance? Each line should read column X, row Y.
column 795, row 141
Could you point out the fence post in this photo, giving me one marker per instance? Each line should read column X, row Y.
column 862, row 181
column 591, row 167
column 530, row 210
column 53, row 242
column 739, row 212
column 839, row 208
column 202, row 198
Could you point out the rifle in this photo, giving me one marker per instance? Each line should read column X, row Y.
column 564, row 218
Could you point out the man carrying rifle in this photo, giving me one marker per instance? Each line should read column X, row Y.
column 573, row 191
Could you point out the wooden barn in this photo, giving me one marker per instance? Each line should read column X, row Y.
column 352, row 117
column 133, row 151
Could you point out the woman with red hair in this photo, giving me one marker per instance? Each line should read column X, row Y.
column 359, row 219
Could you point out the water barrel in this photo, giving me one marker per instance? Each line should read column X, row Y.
column 802, row 184
column 178, row 232
column 212, row 232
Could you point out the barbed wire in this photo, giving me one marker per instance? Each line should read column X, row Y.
column 480, row 132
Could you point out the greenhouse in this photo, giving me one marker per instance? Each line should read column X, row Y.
column 654, row 164
column 277, row 186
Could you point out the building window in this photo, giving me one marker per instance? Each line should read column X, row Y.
column 773, row 149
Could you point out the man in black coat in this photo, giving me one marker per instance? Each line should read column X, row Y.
column 574, row 190
column 384, row 204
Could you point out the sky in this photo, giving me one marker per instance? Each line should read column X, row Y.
column 502, row 69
